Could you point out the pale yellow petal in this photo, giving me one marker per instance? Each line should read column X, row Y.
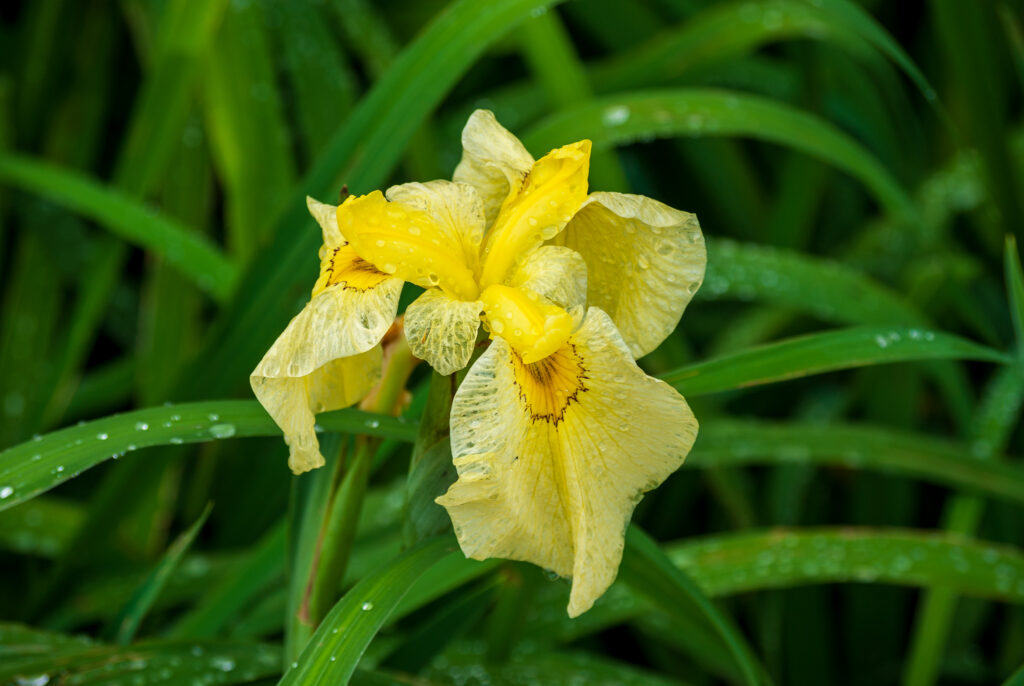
column 493, row 161
column 407, row 242
column 293, row 401
column 327, row 217
column 645, row 260
column 553, row 457
column 550, row 195
column 455, row 207
column 442, row 330
column 328, row 356
column 555, row 272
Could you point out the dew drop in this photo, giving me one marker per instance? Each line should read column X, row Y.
column 6, row 492
column 616, row 116
column 367, row 606
column 141, row 426
column 222, row 430
column 102, row 436
column 213, row 416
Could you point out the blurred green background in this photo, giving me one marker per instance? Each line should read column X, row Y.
column 856, row 168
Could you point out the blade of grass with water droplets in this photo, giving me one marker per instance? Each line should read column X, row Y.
column 28, row 656
column 334, row 650
column 30, row 468
column 643, row 115
column 823, row 352
column 780, row 277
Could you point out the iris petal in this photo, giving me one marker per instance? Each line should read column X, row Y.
column 645, row 260
column 553, row 457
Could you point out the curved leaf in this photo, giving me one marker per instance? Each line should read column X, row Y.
column 28, row 469
column 823, row 352
column 644, row 115
column 728, row 443
column 333, row 652
column 825, row 288
column 29, row 656
column 190, row 253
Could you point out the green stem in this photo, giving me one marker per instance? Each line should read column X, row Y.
column 340, row 531
column 341, row 516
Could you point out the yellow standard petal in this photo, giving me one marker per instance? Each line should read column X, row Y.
column 455, row 207
column 493, row 161
column 645, row 260
column 553, row 457
column 442, row 330
column 550, row 195
column 407, row 242
column 327, row 357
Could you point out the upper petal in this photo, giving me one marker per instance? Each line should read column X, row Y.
column 455, row 207
column 406, row 241
column 550, row 195
column 442, row 330
column 493, row 161
column 553, row 457
column 645, row 260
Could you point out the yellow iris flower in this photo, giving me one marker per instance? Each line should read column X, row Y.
column 553, row 453
column 556, row 432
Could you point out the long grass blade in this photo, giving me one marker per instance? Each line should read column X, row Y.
column 823, row 352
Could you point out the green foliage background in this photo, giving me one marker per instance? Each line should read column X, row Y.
column 857, row 169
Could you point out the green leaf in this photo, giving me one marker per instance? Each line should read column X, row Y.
column 126, row 624
column 781, row 558
column 731, row 443
column 628, row 117
column 1014, row 288
column 647, row 570
column 28, row 469
column 823, row 352
column 746, row 561
column 761, row 273
column 362, row 153
column 28, row 656
column 576, row 667
column 333, row 652
column 192, row 255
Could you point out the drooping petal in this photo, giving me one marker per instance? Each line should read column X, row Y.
column 550, row 195
column 645, row 260
column 555, row 272
column 407, row 242
column 493, row 161
column 442, row 330
column 455, row 207
column 293, row 401
column 553, row 457
column 328, row 356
